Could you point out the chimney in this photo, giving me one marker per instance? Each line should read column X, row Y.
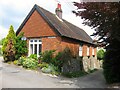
column 58, row 11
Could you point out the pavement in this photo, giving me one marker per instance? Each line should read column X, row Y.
column 12, row 76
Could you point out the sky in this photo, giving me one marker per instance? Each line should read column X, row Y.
column 13, row 12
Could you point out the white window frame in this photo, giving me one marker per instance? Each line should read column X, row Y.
column 80, row 50
column 88, row 50
column 39, row 42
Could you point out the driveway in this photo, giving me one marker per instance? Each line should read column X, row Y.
column 17, row 77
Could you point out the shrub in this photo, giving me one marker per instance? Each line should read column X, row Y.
column 9, row 45
column 47, row 56
column 111, row 62
column 30, row 63
column 15, row 62
column 34, row 56
column 21, row 60
column 21, row 47
column 100, row 54
column 66, row 55
column 50, row 69
column 43, row 64
column 58, row 60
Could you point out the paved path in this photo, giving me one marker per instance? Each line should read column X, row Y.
column 17, row 77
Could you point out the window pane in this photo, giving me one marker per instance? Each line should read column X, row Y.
column 31, row 49
column 35, row 52
column 31, row 40
column 40, row 48
column 35, row 40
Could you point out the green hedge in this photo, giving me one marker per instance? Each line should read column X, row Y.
column 111, row 63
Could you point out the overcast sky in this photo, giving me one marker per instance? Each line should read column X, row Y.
column 13, row 12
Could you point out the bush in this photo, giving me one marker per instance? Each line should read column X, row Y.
column 21, row 47
column 34, row 56
column 43, row 64
column 111, row 62
column 58, row 60
column 8, row 47
column 47, row 56
column 30, row 63
column 100, row 54
column 21, row 60
column 15, row 62
column 50, row 69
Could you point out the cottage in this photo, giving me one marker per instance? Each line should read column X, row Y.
column 47, row 31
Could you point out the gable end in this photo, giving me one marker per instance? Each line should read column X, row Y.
column 43, row 16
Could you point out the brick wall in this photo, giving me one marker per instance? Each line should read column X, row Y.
column 73, row 45
column 36, row 27
column 59, row 44
column 90, row 52
column 51, row 44
column 91, row 48
column 95, row 51
column 84, row 50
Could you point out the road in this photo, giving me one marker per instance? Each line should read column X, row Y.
column 17, row 77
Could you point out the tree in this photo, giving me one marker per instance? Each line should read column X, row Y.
column 9, row 45
column 1, row 41
column 104, row 17
column 21, row 47
column 100, row 54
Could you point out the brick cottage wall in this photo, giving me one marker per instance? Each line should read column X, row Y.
column 59, row 44
column 36, row 26
column 73, row 45
column 51, row 44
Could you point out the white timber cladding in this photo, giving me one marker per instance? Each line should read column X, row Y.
column 93, row 51
column 88, row 50
column 35, row 46
column 80, row 50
